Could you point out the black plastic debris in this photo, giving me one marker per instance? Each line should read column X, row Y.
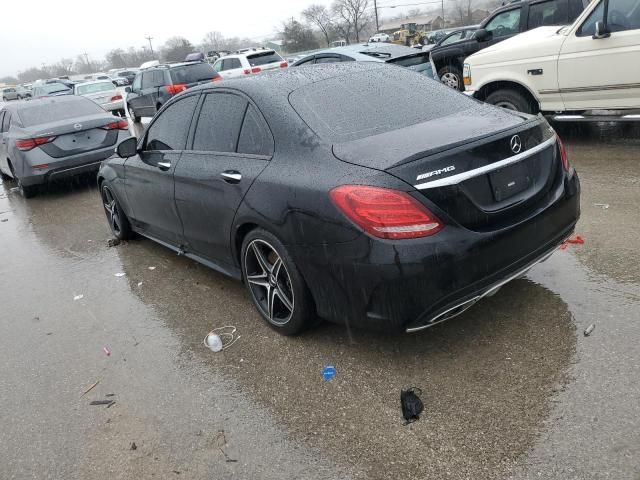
column 412, row 406
column 133, row 446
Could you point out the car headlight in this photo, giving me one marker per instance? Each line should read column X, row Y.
column 467, row 74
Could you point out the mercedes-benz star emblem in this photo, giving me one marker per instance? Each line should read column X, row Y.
column 516, row 144
column 77, row 126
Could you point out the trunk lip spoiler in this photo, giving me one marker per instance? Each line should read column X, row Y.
column 461, row 177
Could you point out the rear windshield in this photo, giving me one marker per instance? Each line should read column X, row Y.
column 94, row 88
column 419, row 63
column 263, row 58
column 52, row 111
column 198, row 72
column 53, row 87
column 358, row 105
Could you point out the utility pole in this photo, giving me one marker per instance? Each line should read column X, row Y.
column 443, row 22
column 375, row 8
column 150, row 46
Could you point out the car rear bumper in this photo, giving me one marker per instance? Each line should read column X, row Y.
column 413, row 284
column 59, row 168
column 112, row 106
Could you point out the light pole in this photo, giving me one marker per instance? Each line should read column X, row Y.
column 150, row 46
column 375, row 8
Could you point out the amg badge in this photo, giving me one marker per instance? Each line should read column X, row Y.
column 435, row 173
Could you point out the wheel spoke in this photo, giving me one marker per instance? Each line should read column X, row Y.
column 284, row 299
column 275, row 269
column 264, row 264
column 271, row 296
column 261, row 280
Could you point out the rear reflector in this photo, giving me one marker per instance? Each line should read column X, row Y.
column 284, row 65
column 41, row 166
column 246, row 71
column 564, row 158
column 119, row 125
column 116, row 97
column 176, row 88
column 30, row 143
column 256, row 70
column 385, row 213
column 216, row 79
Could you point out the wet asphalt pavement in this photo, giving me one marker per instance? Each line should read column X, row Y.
column 512, row 388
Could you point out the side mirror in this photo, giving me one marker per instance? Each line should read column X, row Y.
column 128, row 89
column 127, row 148
column 482, row 35
column 601, row 31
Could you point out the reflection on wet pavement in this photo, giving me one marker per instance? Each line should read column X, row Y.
column 512, row 389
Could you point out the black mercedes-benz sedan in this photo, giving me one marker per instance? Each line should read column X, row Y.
column 364, row 194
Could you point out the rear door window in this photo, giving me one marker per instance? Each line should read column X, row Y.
column 263, row 58
column 255, row 137
column 219, row 123
column 170, row 129
column 553, row 12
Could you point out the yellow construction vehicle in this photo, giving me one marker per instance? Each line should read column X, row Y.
column 409, row 35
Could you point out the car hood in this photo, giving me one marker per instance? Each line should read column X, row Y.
column 540, row 42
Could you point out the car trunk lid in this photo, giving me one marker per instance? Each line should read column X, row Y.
column 84, row 134
column 481, row 177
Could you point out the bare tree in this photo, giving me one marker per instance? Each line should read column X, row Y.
column 463, row 11
column 175, row 49
column 213, row 41
column 319, row 16
column 352, row 15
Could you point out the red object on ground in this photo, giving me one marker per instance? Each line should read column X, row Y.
column 575, row 240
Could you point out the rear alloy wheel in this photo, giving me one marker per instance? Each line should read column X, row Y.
column 118, row 221
column 133, row 115
column 451, row 76
column 274, row 283
column 511, row 100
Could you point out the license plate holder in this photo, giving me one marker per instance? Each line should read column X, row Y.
column 509, row 181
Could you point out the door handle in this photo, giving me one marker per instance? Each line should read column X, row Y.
column 231, row 176
column 164, row 165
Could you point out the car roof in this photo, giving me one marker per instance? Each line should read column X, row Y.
column 367, row 51
column 287, row 80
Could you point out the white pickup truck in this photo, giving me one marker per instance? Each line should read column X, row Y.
column 586, row 71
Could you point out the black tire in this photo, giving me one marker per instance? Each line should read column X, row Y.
column 279, row 294
column 132, row 114
column 118, row 221
column 4, row 99
column 451, row 76
column 511, row 100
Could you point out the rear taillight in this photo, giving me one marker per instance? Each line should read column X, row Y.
column 284, row 65
column 216, row 79
column 119, row 125
column 116, row 97
column 256, row 70
column 385, row 213
column 246, row 71
column 564, row 158
column 176, row 88
column 27, row 144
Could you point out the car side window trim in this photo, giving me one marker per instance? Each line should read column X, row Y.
column 194, row 126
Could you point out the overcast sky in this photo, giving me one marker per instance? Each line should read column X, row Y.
column 42, row 31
